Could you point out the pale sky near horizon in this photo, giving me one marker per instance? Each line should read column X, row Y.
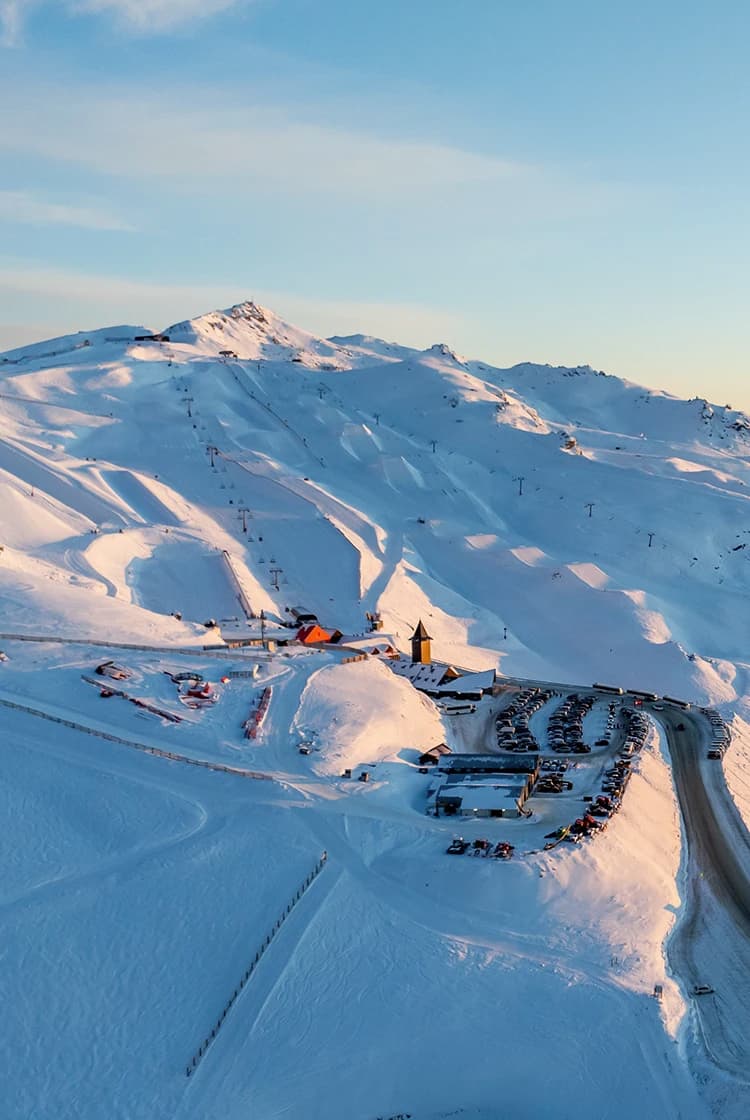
column 560, row 182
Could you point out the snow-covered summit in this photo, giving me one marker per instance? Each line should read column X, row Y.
column 249, row 331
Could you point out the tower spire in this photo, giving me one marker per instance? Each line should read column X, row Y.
column 420, row 646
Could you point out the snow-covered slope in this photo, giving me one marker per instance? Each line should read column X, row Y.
column 419, row 475
column 553, row 523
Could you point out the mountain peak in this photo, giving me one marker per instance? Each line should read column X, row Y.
column 252, row 332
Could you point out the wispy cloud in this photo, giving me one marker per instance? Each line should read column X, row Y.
column 156, row 15
column 12, row 13
column 139, row 16
column 30, row 209
column 222, row 143
column 196, row 137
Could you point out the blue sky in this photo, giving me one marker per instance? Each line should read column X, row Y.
column 552, row 181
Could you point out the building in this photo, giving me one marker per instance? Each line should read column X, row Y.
column 420, row 646
column 426, row 678
column 434, row 754
column 485, row 785
column 151, row 338
column 479, row 764
column 504, row 796
column 313, row 635
column 468, row 686
column 302, row 616
column 236, row 633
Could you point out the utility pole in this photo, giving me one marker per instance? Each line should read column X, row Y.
column 263, row 628
column 520, row 479
column 650, row 539
column 243, row 512
column 212, row 451
column 589, row 506
column 188, row 401
column 275, row 573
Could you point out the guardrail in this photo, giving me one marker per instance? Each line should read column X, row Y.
column 199, row 1054
column 172, row 756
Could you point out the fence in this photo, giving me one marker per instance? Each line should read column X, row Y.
column 200, row 1052
column 193, row 651
column 156, row 751
column 356, row 657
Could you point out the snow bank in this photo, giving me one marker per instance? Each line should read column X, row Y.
column 361, row 712
column 737, row 767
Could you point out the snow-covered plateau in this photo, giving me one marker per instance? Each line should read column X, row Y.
column 207, row 915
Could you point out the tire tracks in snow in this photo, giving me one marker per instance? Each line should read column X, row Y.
column 126, row 863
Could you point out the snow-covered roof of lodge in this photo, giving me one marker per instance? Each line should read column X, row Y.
column 470, row 682
column 425, row 677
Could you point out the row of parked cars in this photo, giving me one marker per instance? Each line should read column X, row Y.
column 615, row 779
column 611, row 724
column 565, row 727
column 636, row 733
column 512, row 723
column 721, row 736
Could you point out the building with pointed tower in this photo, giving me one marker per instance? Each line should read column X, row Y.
column 420, row 646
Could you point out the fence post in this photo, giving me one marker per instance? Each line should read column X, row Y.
column 256, row 959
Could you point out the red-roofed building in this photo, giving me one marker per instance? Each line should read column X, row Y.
column 313, row 634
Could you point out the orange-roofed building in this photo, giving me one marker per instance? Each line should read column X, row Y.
column 313, row 635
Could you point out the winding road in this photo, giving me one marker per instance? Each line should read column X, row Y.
column 711, row 942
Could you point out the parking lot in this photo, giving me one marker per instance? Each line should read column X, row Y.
column 587, row 744
column 535, row 719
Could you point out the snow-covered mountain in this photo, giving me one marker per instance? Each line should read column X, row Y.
column 381, row 477
column 554, row 523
